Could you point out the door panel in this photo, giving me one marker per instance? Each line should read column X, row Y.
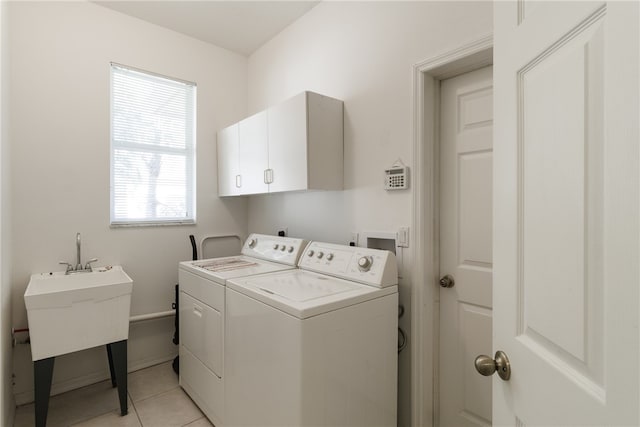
column 475, row 321
column 202, row 331
column 466, row 168
column 558, row 153
column 228, row 169
column 288, row 144
column 254, row 153
column 566, row 212
column 474, row 210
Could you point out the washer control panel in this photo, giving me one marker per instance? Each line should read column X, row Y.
column 369, row 266
column 286, row 250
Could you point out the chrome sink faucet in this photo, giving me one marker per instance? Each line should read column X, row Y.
column 78, row 268
column 79, row 263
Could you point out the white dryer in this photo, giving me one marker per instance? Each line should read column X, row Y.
column 202, row 313
column 314, row 346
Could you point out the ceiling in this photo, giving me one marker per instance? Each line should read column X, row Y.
column 240, row 26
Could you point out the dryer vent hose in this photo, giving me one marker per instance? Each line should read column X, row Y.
column 194, row 247
column 402, row 340
column 402, row 336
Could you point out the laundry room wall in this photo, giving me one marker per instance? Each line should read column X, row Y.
column 362, row 53
column 6, row 389
column 60, row 102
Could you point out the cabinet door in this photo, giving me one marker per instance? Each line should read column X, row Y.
column 253, row 154
column 288, row 144
column 228, row 169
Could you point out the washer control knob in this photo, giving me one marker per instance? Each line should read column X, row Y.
column 310, row 253
column 320, row 255
column 365, row 263
column 329, row 257
column 283, row 248
column 276, row 246
column 290, row 249
column 252, row 243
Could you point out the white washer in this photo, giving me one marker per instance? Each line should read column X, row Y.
column 202, row 313
column 314, row 346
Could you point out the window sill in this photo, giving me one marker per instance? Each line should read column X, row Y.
column 129, row 224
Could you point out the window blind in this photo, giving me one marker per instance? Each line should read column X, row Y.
column 152, row 148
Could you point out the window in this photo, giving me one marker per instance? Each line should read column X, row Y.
column 152, row 148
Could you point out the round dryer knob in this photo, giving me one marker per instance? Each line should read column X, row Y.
column 310, row 253
column 276, row 246
column 329, row 257
column 365, row 263
column 283, row 248
column 290, row 249
column 320, row 255
column 252, row 243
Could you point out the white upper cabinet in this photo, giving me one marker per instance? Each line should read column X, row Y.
column 228, row 161
column 296, row 145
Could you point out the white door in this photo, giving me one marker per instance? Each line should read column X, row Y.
column 466, row 141
column 288, row 145
column 566, row 212
column 254, row 153
column 228, row 161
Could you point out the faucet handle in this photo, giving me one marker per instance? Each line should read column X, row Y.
column 88, row 265
column 69, row 266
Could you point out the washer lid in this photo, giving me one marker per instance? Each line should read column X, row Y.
column 222, row 269
column 224, row 264
column 301, row 288
column 305, row 294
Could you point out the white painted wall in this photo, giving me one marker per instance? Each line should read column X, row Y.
column 362, row 53
column 7, row 403
column 59, row 76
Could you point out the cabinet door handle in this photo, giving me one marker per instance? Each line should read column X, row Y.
column 238, row 181
column 268, row 176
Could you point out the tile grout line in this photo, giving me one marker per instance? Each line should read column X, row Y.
column 133, row 405
column 157, row 394
column 83, row 420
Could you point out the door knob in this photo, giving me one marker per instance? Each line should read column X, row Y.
column 447, row 281
column 486, row 366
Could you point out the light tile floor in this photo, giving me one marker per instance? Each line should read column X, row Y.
column 155, row 400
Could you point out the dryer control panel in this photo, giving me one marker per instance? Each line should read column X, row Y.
column 372, row 267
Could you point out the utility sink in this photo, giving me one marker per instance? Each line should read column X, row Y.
column 72, row 312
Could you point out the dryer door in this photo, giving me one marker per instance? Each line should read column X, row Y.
column 201, row 332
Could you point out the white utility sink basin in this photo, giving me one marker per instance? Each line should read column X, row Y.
column 72, row 312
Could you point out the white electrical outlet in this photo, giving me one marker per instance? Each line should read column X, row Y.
column 402, row 240
column 354, row 238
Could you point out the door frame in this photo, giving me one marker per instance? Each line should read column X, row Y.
column 427, row 75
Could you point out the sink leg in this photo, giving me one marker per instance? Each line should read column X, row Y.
column 118, row 351
column 111, row 369
column 42, row 373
